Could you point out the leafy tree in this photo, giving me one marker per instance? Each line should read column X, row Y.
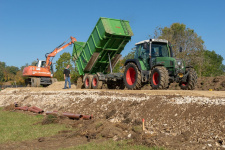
column 12, row 69
column 74, row 73
column 2, row 68
column 212, row 64
column 19, row 78
column 61, row 63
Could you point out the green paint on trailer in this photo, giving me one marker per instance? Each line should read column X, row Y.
column 108, row 38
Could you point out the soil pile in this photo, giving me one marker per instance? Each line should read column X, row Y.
column 204, row 83
column 174, row 119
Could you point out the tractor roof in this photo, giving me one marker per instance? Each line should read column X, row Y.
column 153, row 40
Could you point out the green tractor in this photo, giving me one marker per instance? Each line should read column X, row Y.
column 154, row 63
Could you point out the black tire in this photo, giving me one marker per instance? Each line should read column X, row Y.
column 132, row 77
column 191, row 80
column 159, row 78
column 87, row 81
column 95, row 83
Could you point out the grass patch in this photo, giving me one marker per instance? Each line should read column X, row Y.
column 20, row 127
column 110, row 144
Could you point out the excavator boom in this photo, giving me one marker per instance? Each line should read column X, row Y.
column 57, row 50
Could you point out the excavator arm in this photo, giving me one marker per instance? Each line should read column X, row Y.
column 57, row 50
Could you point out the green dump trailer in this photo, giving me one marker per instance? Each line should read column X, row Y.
column 96, row 58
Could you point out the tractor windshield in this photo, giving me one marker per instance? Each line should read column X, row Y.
column 159, row 50
column 141, row 52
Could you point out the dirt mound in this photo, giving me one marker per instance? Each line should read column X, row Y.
column 60, row 85
column 206, row 83
column 174, row 119
column 214, row 83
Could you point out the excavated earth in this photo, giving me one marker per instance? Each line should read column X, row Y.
column 174, row 119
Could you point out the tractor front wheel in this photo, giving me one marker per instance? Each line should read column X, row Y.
column 191, row 80
column 159, row 78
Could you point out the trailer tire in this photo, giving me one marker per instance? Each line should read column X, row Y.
column 95, row 83
column 159, row 78
column 132, row 77
column 87, row 81
column 191, row 80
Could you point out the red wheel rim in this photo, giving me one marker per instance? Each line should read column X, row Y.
column 131, row 76
column 184, row 83
column 87, row 82
column 94, row 82
column 155, row 78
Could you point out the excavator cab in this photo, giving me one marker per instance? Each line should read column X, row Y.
column 41, row 63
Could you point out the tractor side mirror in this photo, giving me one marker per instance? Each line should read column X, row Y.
column 145, row 45
column 180, row 49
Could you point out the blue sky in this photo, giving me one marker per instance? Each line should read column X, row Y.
column 31, row 28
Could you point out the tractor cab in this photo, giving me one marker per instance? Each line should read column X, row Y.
column 153, row 48
column 153, row 52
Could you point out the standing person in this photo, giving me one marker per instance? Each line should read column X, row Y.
column 67, row 77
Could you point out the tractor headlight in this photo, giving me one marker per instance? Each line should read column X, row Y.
column 179, row 63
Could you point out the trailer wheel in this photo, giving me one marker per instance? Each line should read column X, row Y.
column 95, row 83
column 132, row 77
column 159, row 78
column 191, row 80
column 87, row 81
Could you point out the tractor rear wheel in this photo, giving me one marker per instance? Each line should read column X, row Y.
column 159, row 78
column 95, row 83
column 132, row 77
column 87, row 81
column 191, row 80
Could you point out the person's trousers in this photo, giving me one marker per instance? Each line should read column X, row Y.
column 67, row 80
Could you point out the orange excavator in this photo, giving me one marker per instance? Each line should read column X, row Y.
column 42, row 73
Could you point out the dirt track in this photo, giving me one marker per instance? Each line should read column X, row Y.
column 174, row 119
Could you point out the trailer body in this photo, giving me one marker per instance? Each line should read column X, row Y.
column 106, row 42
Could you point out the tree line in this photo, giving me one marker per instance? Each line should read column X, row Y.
column 207, row 63
column 11, row 73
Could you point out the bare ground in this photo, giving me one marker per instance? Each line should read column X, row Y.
column 175, row 119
